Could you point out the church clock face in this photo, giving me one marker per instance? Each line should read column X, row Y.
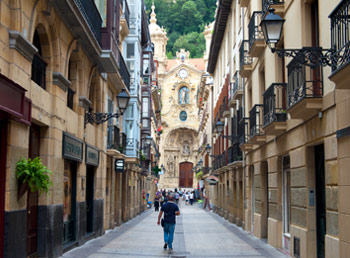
column 183, row 116
column 183, row 73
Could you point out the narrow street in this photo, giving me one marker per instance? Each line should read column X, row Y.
column 198, row 233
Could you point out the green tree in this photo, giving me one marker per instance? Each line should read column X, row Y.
column 193, row 42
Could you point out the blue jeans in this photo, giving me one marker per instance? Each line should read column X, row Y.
column 169, row 230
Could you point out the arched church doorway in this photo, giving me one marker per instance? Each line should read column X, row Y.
column 186, row 175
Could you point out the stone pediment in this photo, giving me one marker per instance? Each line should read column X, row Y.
column 191, row 68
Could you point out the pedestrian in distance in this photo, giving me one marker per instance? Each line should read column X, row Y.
column 177, row 197
column 170, row 210
column 187, row 197
column 191, row 197
column 156, row 203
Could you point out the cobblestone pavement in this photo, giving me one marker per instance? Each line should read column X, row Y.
column 198, row 233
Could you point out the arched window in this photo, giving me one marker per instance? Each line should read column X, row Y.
column 38, row 63
column 184, row 95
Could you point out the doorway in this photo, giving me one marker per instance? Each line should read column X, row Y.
column 32, row 197
column 252, row 194
column 90, row 176
column 186, row 175
column 286, row 203
column 69, row 205
column 320, row 200
column 3, row 152
column 264, row 199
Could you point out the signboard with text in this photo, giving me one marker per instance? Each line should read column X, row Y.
column 92, row 156
column 72, row 147
column 119, row 165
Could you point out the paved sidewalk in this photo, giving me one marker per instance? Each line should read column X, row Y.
column 198, row 234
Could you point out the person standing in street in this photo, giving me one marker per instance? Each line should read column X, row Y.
column 191, row 197
column 170, row 210
column 206, row 199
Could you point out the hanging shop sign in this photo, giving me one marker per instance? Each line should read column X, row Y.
column 92, row 156
column 72, row 148
column 119, row 165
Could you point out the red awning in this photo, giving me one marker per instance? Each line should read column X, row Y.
column 13, row 101
column 212, row 179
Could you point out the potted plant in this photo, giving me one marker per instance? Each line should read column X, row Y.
column 33, row 175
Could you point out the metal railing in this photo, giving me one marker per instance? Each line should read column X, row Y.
column 243, row 130
column 340, row 34
column 113, row 138
column 267, row 3
column 205, row 170
column 256, row 120
column 234, row 153
column 124, row 72
column 255, row 31
column 235, row 85
column 275, row 103
column 303, row 82
column 244, row 57
column 92, row 16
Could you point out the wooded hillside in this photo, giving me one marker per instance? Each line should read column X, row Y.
column 184, row 21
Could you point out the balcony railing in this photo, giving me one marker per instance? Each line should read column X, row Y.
column 256, row 120
column 255, row 31
column 126, row 12
column 234, row 153
column 243, row 131
column 124, row 72
column 235, row 86
column 303, row 82
column 123, row 143
column 340, row 34
column 219, row 161
column 113, row 139
column 92, row 16
column 205, row 170
column 266, row 4
column 245, row 58
column 275, row 104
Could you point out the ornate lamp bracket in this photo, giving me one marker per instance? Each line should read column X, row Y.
column 99, row 118
column 310, row 56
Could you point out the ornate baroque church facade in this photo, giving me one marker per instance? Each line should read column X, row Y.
column 178, row 84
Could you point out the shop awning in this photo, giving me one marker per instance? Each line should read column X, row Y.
column 212, row 179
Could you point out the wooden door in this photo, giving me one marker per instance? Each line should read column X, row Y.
column 186, row 175
column 3, row 146
column 32, row 198
column 90, row 175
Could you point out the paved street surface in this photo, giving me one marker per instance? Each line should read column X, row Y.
column 198, row 233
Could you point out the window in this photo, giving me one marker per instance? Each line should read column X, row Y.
column 184, row 95
column 130, row 50
column 38, row 64
column 286, row 194
column 102, row 8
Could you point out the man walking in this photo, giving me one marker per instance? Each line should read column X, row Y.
column 170, row 210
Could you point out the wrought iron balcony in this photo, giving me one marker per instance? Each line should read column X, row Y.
column 304, row 90
column 124, row 72
column 246, row 61
column 244, row 134
column 206, row 170
column 123, row 143
column 234, row 153
column 235, row 89
column 275, row 104
column 256, row 36
column 340, row 41
column 256, row 122
column 113, row 138
column 278, row 5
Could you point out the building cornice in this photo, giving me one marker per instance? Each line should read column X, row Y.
column 223, row 12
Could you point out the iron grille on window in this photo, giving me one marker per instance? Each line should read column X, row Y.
column 113, row 140
column 303, row 82
column 39, row 71
column 92, row 16
column 340, row 34
column 267, row 3
column 245, row 58
column 256, row 120
column 255, row 32
column 275, row 103
column 70, row 98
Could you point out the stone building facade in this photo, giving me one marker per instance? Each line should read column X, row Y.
column 61, row 64
column 289, row 120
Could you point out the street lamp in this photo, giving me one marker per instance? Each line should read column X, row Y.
column 208, row 148
column 272, row 27
column 220, row 128
column 148, row 140
column 99, row 118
